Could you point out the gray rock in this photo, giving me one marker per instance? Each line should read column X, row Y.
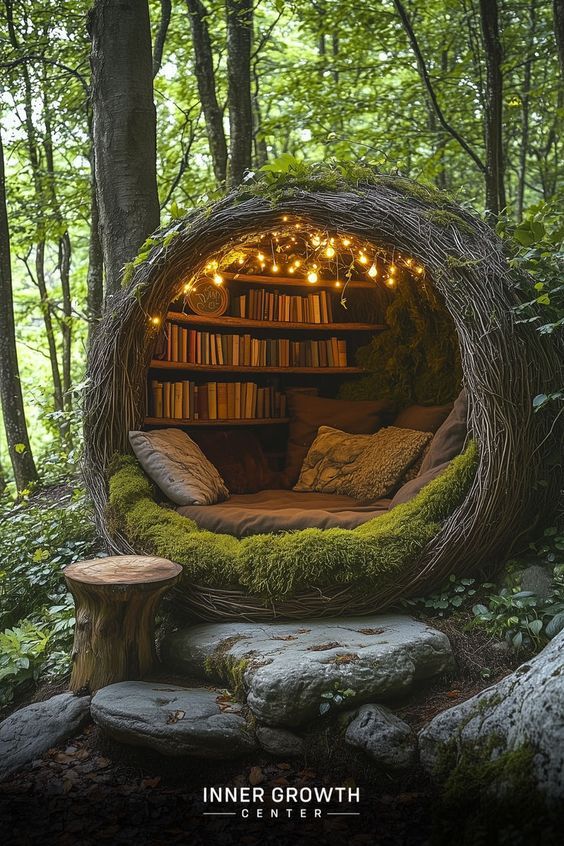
column 384, row 737
column 284, row 668
column 280, row 742
column 173, row 720
column 28, row 733
column 524, row 709
column 538, row 580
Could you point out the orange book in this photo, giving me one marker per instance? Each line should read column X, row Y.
column 221, row 400
column 183, row 343
column 174, row 342
column 212, row 400
column 231, row 400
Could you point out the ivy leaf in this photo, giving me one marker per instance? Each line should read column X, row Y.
column 20, row 448
column 176, row 212
column 324, row 707
column 555, row 626
column 540, row 400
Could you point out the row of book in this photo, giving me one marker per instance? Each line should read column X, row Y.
column 215, row 401
column 191, row 346
column 260, row 304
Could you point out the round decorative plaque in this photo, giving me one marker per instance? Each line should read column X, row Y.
column 207, row 299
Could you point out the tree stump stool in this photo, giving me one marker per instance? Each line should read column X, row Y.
column 115, row 600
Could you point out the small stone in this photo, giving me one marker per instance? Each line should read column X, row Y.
column 288, row 670
column 538, row 580
column 26, row 734
column 388, row 741
column 173, row 720
column 523, row 710
column 279, row 742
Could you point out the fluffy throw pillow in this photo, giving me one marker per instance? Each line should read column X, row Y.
column 239, row 459
column 423, row 418
column 308, row 413
column 178, row 466
column 366, row 467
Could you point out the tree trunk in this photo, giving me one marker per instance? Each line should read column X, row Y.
column 116, row 599
column 25, row 471
column 493, row 123
column 166, row 8
column 558, row 7
column 95, row 274
column 239, row 41
column 124, row 129
column 205, row 79
column 525, row 105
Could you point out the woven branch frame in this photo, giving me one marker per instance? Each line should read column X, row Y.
column 505, row 363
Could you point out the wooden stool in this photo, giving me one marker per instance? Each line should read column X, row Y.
column 115, row 600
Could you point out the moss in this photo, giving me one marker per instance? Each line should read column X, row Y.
column 229, row 670
column 489, row 795
column 447, row 217
column 276, row 566
column 416, row 359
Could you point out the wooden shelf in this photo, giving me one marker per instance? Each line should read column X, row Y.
column 291, row 282
column 246, row 323
column 229, row 368
column 251, row 421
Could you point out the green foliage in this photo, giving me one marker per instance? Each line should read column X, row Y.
column 539, row 250
column 38, row 539
column 334, row 698
column 454, row 594
column 275, row 566
column 411, row 361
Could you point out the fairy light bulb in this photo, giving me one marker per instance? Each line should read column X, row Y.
column 316, row 240
column 330, row 251
column 275, row 268
column 156, row 321
column 363, row 259
column 218, row 279
column 419, row 269
column 241, row 261
column 393, row 268
column 312, row 277
column 346, row 242
column 285, row 218
column 390, row 282
column 291, row 269
column 338, row 284
column 373, row 271
column 260, row 256
column 297, row 263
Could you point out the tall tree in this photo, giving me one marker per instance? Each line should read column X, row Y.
column 160, row 38
column 239, row 42
column 493, row 118
column 558, row 8
column 25, row 471
column 124, row 130
column 205, row 79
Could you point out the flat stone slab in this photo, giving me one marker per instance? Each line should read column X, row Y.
column 386, row 739
column 523, row 710
column 28, row 733
column 288, row 670
column 175, row 721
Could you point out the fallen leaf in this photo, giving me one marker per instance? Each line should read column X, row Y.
column 175, row 716
column 453, row 694
column 256, row 776
column 149, row 783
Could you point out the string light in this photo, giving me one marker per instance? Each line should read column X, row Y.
column 291, row 269
column 390, row 282
column 419, row 269
column 260, row 256
column 338, row 284
column 346, row 242
column 373, row 271
column 312, row 277
column 218, row 279
column 285, row 218
column 156, row 321
column 363, row 259
column 393, row 268
column 330, row 251
column 275, row 268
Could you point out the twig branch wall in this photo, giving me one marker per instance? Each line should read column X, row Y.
column 505, row 362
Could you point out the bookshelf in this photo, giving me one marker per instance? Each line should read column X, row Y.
column 252, row 358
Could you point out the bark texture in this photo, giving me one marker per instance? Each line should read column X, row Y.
column 116, row 599
column 558, row 7
column 11, row 397
column 124, row 130
column 205, row 78
column 239, row 41
column 493, row 122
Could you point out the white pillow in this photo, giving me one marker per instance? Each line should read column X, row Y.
column 178, row 466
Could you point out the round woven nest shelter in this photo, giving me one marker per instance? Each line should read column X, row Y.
column 505, row 363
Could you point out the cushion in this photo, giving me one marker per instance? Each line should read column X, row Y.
column 450, row 437
column 424, row 418
column 409, row 489
column 178, row 466
column 308, row 413
column 282, row 511
column 366, row 467
column 239, row 459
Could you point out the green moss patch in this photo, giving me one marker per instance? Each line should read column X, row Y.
column 275, row 566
